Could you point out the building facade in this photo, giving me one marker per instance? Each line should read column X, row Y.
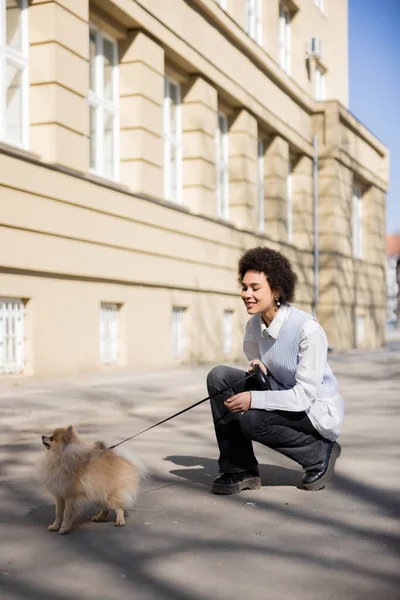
column 144, row 145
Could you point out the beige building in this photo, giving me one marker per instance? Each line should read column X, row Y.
column 144, row 145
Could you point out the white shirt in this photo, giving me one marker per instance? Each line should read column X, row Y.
column 327, row 415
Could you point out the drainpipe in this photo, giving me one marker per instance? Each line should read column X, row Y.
column 315, row 199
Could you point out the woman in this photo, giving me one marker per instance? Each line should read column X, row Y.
column 294, row 407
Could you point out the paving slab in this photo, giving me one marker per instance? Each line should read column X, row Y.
column 181, row 542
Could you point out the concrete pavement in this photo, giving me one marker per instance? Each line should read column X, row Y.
column 180, row 542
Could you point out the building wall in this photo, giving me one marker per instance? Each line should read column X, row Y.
column 351, row 288
column 71, row 239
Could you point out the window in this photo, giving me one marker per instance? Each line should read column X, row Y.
column 360, row 331
column 222, row 166
column 227, row 331
column 14, row 81
column 320, row 4
column 260, row 186
column 289, row 195
column 109, row 343
column 103, row 104
column 12, row 338
column 172, row 141
column 319, row 91
column 357, row 223
column 284, row 38
column 254, row 20
column 178, row 338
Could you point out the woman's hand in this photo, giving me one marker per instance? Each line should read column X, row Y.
column 239, row 403
column 260, row 364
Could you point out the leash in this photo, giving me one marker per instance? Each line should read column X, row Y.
column 255, row 371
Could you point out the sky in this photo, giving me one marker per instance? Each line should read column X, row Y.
column 374, row 81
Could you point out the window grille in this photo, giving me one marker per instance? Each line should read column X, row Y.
column 227, row 331
column 222, row 166
column 14, row 76
column 357, row 219
column 284, row 38
column 109, row 342
column 178, row 334
column 254, row 20
column 289, row 192
column 103, row 104
column 172, row 141
column 12, row 336
column 260, row 186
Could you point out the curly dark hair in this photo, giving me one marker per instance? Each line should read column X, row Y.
column 276, row 267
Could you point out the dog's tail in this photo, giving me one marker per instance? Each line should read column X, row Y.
column 99, row 446
column 128, row 454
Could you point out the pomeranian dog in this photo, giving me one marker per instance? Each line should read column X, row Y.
column 76, row 474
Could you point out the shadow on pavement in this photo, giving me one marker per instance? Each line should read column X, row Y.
column 126, row 563
column 204, row 470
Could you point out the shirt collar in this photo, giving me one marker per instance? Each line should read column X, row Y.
column 277, row 322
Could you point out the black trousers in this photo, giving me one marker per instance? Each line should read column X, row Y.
column 290, row 433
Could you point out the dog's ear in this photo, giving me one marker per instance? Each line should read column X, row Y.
column 70, row 433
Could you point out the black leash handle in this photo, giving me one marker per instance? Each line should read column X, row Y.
column 256, row 368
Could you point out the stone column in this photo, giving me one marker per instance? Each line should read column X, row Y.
column 374, row 236
column 302, row 203
column 338, row 299
column 141, row 114
column 374, row 225
column 59, row 82
column 199, row 125
column 335, row 192
column 276, row 166
column 243, row 171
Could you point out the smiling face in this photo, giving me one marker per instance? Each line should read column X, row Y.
column 258, row 296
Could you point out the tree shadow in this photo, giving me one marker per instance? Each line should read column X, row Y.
column 201, row 470
column 135, row 557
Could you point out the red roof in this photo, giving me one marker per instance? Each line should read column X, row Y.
column 393, row 245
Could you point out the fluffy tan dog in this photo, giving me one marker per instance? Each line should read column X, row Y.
column 76, row 473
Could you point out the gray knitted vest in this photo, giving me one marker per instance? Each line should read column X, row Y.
column 281, row 355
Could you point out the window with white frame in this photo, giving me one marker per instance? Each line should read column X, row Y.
column 319, row 91
column 254, row 20
column 289, row 197
column 109, row 335
column 178, row 332
column 222, row 166
column 14, row 77
column 284, row 38
column 12, row 335
column 357, row 225
column 103, row 104
column 320, row 4
column 260, row 185
column 360, row 331
column 172, row 141
column 227, row 331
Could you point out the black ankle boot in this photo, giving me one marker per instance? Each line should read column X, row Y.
column 233, row 483
column 315, row 479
